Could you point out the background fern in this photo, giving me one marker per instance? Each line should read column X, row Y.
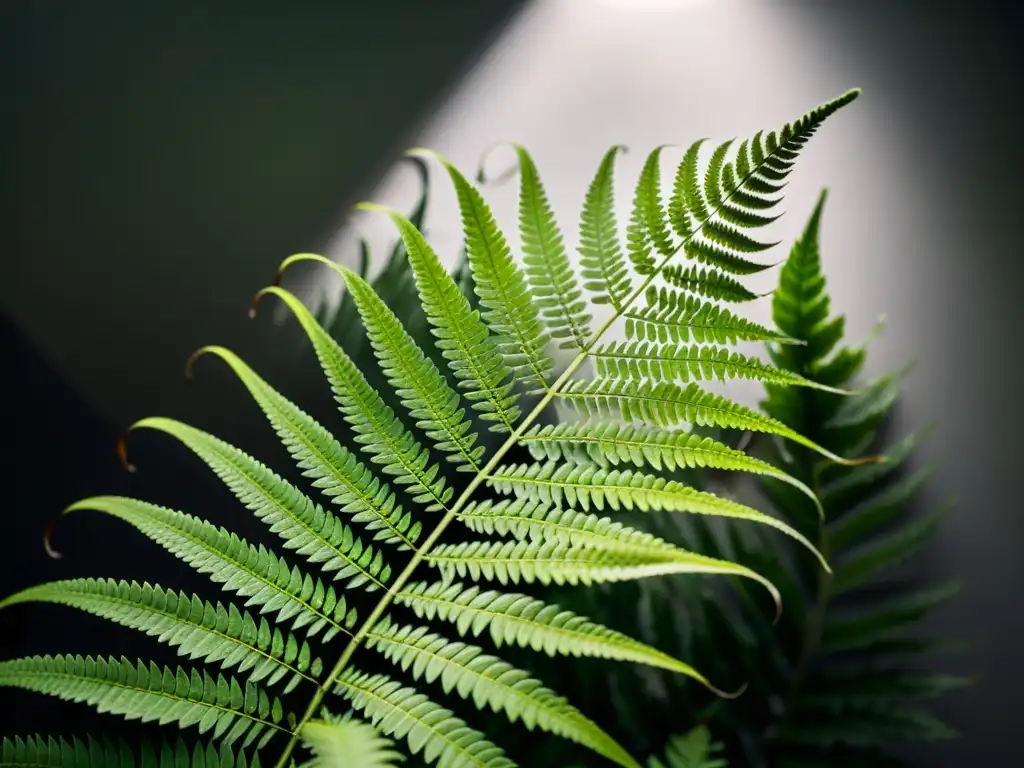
column 412, row 463
column 844, row 678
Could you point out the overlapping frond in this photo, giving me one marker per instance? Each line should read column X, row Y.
column 691, row 750
column 668, row 405
column 501, row 285
column 401, row 712
column 336, row 741
column 90, row 752
column 144, row 691
column 684, row 317
column 638, row 360
column 306, row 528
column 379, row 432
column 196, row 628
column 517, row 619
column 462, row 336
column 553, row 282
column 604, row 269
column 252, row 571
column 459, row 368
column 490, row 682
column 332, row 467
column 586, row 484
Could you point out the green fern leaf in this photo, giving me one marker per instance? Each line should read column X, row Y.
column 548, row 270
column 198, row 629
column 424, row 392
column 692, row 750
column 461, row 335
column 37, row 752
column 635, row 360
column 706, row 281
column 687, row 208
column 333, row 468
column 253, row 572
column 471, row 339
column 732, row 238
column 625, row 489
column 491, row 682
column 401, row 712
column 713, row 255
column 146, row 692
column 603, row 266
column 667, row 405
column 647, row 226
column 686, row 316
column 345, row 742
column 616, row 444
column 306, row 528
column 501, row 286
column 515, row 619
column 378, row 430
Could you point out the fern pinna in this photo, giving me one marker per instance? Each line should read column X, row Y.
column 388, row 578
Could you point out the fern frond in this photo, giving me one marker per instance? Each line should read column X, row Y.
column 647, row 228
column 584, row 485
column 501, row 286
column 713, row 255
column 573, row 533
column 306, row 528
column 883, row 622
column 552, row 280
column 686, row 206
column 692, row 750
column 616, row 444
column 403, row 713
column 336, row 742
column 550, row 562
column 147, row 692
column 491, row 682
column 196, row 628
column 50, row 752
column 515, row 619
column 537, row 521
column 852, row 527
column 333, row 468
column 633, row 360
column 702, row 281
column 378, row 431
column 865, row 563
column 732, row 238
column 684, row 316
column 253, row 572
column 603, row 266
column 667, row 405
column 423, row 390
column 461, row 335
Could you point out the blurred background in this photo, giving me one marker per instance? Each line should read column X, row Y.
column 159, row 160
